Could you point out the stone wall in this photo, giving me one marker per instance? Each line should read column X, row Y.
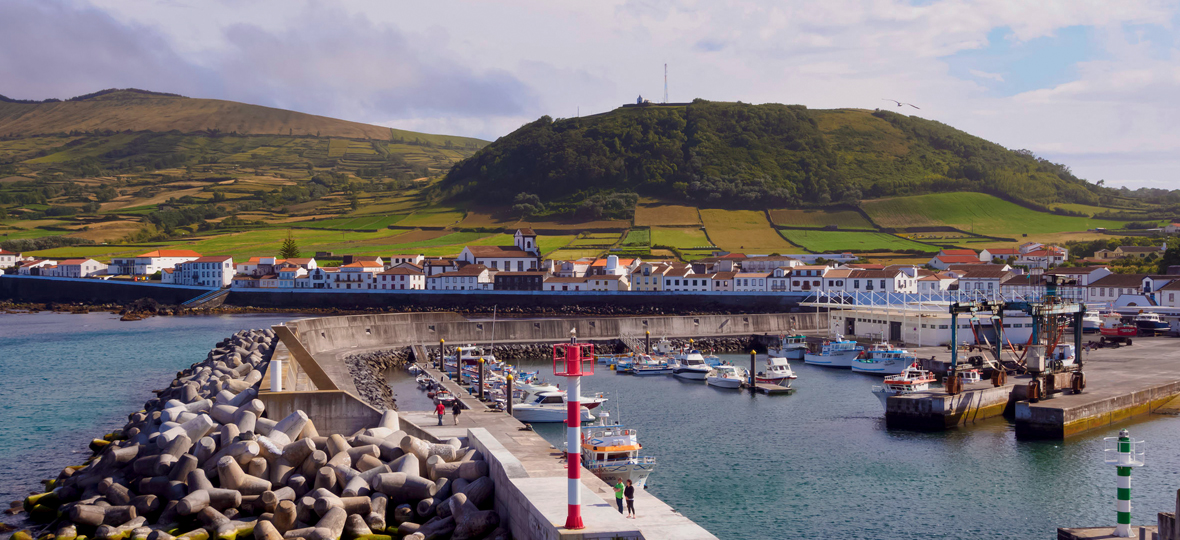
column 368, row 371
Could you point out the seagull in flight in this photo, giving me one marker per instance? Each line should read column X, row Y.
column 900, row 103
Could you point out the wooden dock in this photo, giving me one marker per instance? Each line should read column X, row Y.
column 772, row 389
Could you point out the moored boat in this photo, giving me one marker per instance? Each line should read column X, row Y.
column 835, row 353
column 549, row 407
column 1113, row 326
column 789, row 347
column 778, row 371
column 612, row 453
column 724, row 376
column 912, row 379
column 884, row 360
column 691, row 367
column 646, row 365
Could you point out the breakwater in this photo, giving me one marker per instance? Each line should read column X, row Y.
column 203, row 460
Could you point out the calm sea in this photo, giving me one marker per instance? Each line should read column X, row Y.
column 65, row 379
column 818, row 463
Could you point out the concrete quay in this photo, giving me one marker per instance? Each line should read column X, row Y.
column 528, row 473
column 1120, row 384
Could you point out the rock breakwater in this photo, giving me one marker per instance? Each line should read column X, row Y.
column 203, row 461
column 368, row 371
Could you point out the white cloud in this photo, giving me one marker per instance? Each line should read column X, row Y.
column 986, row 75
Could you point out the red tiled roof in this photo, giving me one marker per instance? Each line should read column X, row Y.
column 526, row 232
column 4, row 252
column 602, row 262
column 363, row 264
column 400, row 270
column 72, row 262
column 170, row 253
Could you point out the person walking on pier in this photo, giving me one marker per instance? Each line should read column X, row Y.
column 630, row 494
column 455, row 410
column 441, row 411
column 619, row 494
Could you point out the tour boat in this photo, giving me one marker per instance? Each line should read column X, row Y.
column 646, row 365
column 692, row 367
column 612, row 454
column 1113, row 326
column 548, row 407
column 789, row 347
column 913, row 379
column 837, row 353
column 778, row 371
column 726, row 377
column 885, row 360
column 1149, row 324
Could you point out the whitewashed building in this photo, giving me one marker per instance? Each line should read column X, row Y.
column 473, row 277
column 151, row 262
column 751, row 281
column 205, row 272
column 79, row 268
column 34, row 267
column 9, row 259
column 356, row 275
column 401, row 278
column 560, row 283
column 522, row 256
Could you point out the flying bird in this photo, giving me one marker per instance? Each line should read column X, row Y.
column 899, row 103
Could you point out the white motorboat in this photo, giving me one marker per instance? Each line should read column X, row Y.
column 837, row 353
column 548, row 407
column 663, row 347
column 1061, row 356
column 778, row 371
column 646, row 365
column 969, row 376
column 612, row 453
column 913, row 379
column 789, row 347
column 724, row 376
column 885, row 360
column 692, row 367
column 535, row 387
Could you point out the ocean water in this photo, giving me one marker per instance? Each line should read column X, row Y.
column 816, row 464
column 820, row 464
column 66, row 379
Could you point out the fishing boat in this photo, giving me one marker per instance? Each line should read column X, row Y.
column 548, row 407
column 883, row 359
column 778, row 371
column 612, row 454
column 1113, row 326
column 789, row 347
column 646, row 365
column 969, row 376
column 1060, row 356
column 836, row 353
column 913, row 379
column 1150, row 324
column 664, row 347
column 724, row 376
column 691, row 367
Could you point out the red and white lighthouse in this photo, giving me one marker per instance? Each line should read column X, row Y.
column 573, row 360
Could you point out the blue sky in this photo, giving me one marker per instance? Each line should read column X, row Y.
column 1090, row 83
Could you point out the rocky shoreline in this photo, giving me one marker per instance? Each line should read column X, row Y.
column 368, row 374
column 202, row 461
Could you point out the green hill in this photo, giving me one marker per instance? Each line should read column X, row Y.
column 756, row 156
column 138, row 110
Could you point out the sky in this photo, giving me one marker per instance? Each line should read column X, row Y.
column 1091, row 84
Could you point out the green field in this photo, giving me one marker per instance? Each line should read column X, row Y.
column 982, row 213
column 844, row 219
column 637, row 238
column 831, row 241
column 352, row 223
column 679, row 238
column 743, row 231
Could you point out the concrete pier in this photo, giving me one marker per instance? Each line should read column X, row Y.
column 1121, row 384
column 529, row 474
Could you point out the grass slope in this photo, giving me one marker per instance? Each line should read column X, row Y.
column 859, row 242
column 985, row 213
column 744, row 231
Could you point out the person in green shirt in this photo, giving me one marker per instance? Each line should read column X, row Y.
column 619, row 494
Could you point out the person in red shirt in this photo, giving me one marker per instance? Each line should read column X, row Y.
column 441, row 411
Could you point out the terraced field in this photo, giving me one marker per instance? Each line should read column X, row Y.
column 651, row 213
column 983, row 213
column 859, row 242
column 680, row 238
column 744, row 231
column 844, row 219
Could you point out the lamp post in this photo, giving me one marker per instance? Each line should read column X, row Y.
column 573, row 360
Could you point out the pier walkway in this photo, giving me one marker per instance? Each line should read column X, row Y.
column 1120, row 384
column 542, row 477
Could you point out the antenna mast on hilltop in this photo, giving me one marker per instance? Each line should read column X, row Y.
column 665, row 83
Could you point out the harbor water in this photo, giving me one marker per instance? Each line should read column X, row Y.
column 818, row 463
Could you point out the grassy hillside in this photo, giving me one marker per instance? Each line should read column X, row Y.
column 974, row 212
column 132, row 110
column 735, row 155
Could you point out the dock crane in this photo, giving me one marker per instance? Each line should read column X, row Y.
column 1046, row 358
